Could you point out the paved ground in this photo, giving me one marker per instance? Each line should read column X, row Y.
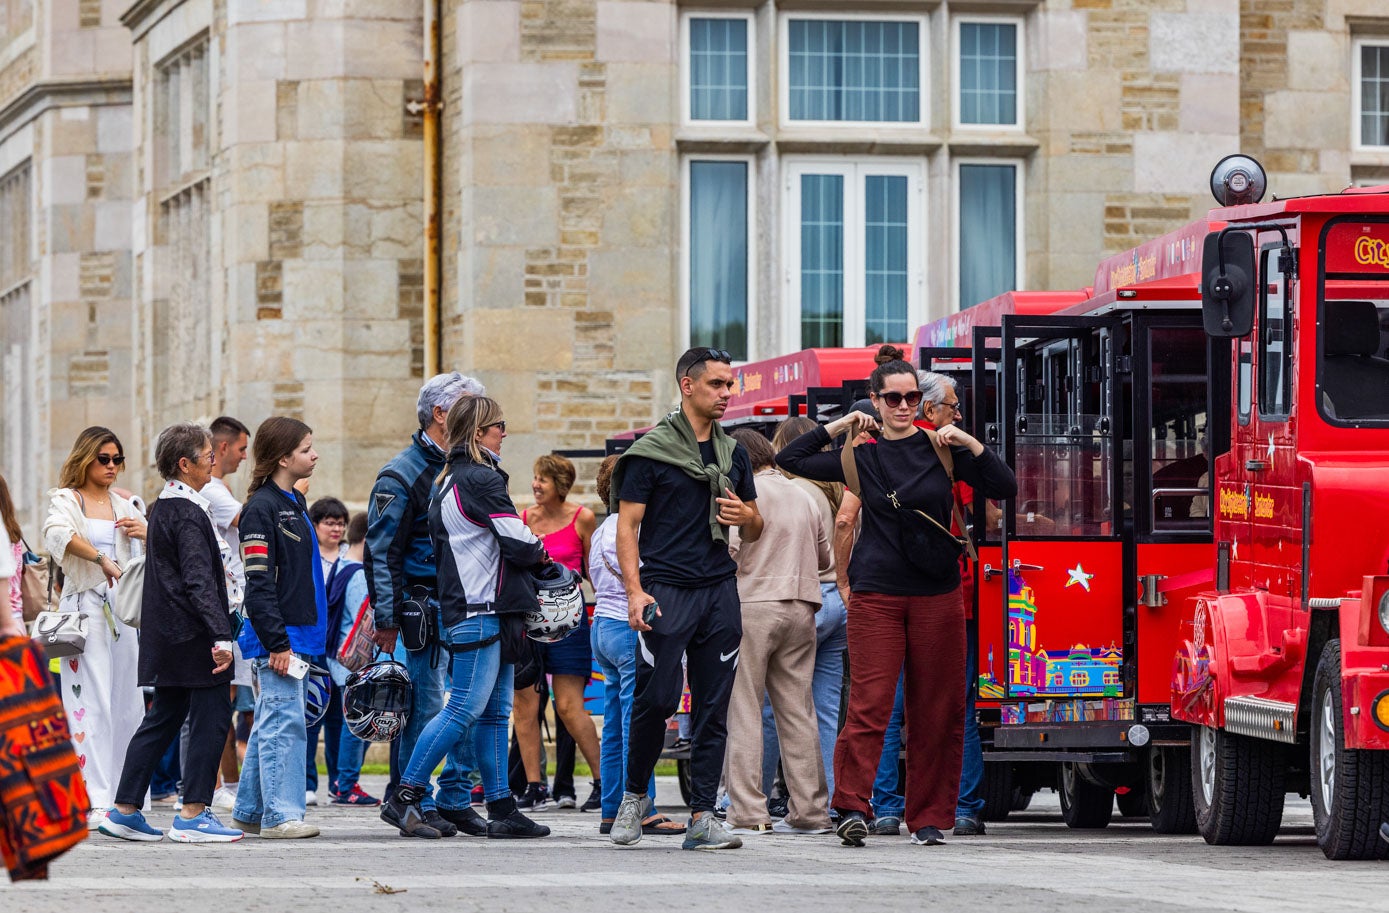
column 1030, row 861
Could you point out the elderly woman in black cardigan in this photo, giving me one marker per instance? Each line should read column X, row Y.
column 185, row 647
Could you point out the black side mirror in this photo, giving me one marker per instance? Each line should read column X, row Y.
column 1227, row 284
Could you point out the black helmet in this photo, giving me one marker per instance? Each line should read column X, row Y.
column 376, row 701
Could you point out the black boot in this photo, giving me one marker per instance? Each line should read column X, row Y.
column 466, row 820
column 403, row 810
column 505, row 822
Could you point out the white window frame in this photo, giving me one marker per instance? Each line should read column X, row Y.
column 1020, row 222
column 956, row 46
column 686, row 250
column 853, row 170
column 686, row 53
column 784, row 72
column 1356, row 111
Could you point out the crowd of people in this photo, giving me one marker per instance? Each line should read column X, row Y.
column 739, row 568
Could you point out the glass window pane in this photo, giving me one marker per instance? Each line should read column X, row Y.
column 988, row 73
column 1374, row 95
column 718, row 69
column 854, row 70
column 822, row 260
column 885, row 258
column 988, row 232
column 719, row 256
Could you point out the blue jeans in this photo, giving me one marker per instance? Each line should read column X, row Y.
column 428, row 675
column 887, row 787
column 826, row 687
column 614, row 646
column 351, row 752
column 479, row 705
column 971, row 801
column 272, row 776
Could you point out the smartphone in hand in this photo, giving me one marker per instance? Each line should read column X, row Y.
column 298, row 668
column 648, row 614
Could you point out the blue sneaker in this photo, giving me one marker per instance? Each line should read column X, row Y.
column 129, row 827
column 203, row 829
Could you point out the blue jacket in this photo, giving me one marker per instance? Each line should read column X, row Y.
column 399, row 550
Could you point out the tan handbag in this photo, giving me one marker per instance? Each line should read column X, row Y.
column 35, row 585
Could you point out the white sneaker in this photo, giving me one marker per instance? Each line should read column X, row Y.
column 754, row 830
column 178, row 804
column 95, row 817
column 310, row 798
column 782, row 827
column 288, row 830
column 224, row 797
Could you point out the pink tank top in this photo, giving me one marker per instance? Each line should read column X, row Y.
column 564, row 545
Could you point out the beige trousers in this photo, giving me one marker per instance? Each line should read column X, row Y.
column 776, row 658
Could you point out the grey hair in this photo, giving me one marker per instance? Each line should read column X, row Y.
column 934, row 385
column 184, row 440
column 443, row 390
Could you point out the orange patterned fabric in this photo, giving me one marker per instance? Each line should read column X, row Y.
column 43, row 799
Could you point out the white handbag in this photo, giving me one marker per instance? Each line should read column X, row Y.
column 130, row 592
column 61, row 633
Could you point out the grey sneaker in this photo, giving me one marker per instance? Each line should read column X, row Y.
column 886, row 826
column 966, row 826
column 709, row 833
column 634, row 809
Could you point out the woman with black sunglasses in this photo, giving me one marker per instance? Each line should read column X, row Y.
column 93, row 533
column 905, row 607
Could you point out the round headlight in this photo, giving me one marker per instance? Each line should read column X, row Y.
column 1384, row 611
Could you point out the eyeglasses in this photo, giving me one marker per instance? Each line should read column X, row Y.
column 334, row 524
column 501, row 425
column 895, row 399
column 700, row 357
column 106, row 459
column 954, row 407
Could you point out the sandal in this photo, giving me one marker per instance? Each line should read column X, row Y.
column 659, row 825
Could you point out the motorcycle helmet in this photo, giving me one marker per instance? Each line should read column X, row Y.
column 376, row 701
column 318, row 691
column 560, row 607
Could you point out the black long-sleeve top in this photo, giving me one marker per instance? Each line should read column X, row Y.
column 909, row 467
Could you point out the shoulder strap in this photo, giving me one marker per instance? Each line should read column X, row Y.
column 849, row 465
column 947, row 461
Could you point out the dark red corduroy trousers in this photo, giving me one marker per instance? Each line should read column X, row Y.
column 927, row 635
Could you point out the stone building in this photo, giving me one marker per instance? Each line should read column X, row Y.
column 219, row 205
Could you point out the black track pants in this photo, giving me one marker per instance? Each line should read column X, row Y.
column 704, row 624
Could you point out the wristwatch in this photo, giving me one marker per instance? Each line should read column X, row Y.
column 100, row 557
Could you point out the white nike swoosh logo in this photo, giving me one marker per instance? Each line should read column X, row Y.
column 725, row 657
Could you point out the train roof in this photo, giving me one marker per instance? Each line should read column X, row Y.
column 957, row 330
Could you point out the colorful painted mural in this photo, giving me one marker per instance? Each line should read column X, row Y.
column 1032, row 669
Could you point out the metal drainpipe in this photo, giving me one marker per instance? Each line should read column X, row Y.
column 433, row 161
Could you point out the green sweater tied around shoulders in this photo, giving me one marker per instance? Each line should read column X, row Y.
column 673, row 442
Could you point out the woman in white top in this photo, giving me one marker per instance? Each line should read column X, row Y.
column 93, row 533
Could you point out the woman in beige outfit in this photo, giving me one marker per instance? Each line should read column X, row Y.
column 779, row 587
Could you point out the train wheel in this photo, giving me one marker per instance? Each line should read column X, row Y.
column 1350, row 788
column 682, row 774
column 1170, row 807
column 1237, row 785
column 1133, row 802
column 998, row 790
column 1084, row 806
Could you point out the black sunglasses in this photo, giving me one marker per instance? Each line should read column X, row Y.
column 894, row 399
column 106, row 459
column 708, row 355
column 501, row 425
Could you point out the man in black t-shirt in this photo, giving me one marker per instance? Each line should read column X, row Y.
column 678, row 490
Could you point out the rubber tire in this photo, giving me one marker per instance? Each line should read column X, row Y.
column 1170, row 807
column 682, row 775
column 1246, row 805
column 1084, row 806
column 1022, row 798
column 1349, row 827
column 997, row 790
column 1134, row 803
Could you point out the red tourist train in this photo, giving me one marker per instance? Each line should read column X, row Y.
column 1187, row 603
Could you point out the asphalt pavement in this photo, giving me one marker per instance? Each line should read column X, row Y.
column 1030, row 862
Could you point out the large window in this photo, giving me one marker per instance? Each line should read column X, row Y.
column 988, row 229
column 1370, row 91
column 860, row 70
column 854, row 241
column 718, row 227
column 988, row 72
column 719, row 75
column 1275, row 342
